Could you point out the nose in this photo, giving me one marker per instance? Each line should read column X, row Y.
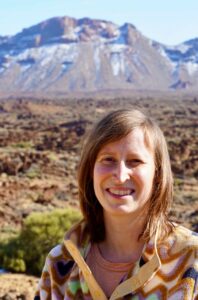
column 122, row 172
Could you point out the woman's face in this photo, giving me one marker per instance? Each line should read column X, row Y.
column 123, row 175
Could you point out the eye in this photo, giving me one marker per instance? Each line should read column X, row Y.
column 134, row 162
column 108, row 160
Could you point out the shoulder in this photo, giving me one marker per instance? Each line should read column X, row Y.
column 57, row 268
column 184, row 238
column 59, row 262
column 180, row 242
column 179, row 262
column 78, row 234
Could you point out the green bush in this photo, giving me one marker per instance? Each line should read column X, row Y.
column 11, row 256
column 23, row 144
column 41, row 231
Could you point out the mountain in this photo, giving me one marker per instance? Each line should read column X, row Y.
column 65, row 54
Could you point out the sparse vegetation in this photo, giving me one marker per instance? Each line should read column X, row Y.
column 23, row 145
column 33, row 172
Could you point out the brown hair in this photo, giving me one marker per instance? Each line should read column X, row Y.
column 112, row 127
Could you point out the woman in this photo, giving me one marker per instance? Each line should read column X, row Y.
column 125, row 248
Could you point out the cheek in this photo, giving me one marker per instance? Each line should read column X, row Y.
column 144, row 176
column 101, row 175
column 100, row 172
column 97, row 176
column 97, row 180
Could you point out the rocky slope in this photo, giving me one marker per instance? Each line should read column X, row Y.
column 40, row 145
column 17, row 286
column 70, row 55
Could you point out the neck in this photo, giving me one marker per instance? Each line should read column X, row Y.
column 122, row 243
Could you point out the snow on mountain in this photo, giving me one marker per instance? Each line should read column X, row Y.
column 184, row 61
column 66, row 54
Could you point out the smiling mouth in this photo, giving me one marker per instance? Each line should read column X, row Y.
column 120, row 192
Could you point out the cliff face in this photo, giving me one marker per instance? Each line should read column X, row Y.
column 69, row 55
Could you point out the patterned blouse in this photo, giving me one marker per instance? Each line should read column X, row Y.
column 166, row 270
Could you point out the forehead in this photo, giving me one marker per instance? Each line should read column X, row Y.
column 135, row 142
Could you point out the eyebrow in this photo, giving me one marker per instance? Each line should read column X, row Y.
column 106, row 152
column 113, row 153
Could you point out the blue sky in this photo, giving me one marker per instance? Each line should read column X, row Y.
column 167, row 21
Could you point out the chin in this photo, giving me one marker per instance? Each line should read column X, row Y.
column 122, row 210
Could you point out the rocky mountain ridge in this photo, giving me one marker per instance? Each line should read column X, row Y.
column 65, row 54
